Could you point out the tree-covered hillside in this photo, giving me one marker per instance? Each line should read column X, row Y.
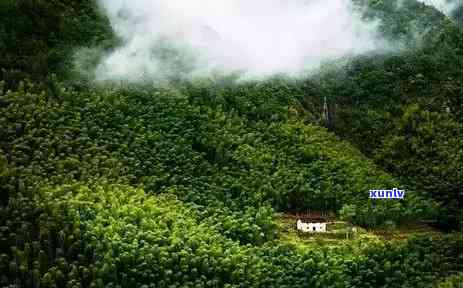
column 404, row 110
column 182, row 183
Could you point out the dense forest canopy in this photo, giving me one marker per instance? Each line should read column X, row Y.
column 181, row 181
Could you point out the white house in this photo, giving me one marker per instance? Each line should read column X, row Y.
column 311, row 227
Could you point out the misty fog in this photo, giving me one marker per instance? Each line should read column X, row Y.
column 258, row 38
column 445, row 6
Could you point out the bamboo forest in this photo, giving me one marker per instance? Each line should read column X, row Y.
column 231, row 143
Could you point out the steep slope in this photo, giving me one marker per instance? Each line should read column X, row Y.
column 163, row 140
column 178, row 184
column 74, row 217
column 405, row 109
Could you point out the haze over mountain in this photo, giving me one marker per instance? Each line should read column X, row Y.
column 446, row 6
column 260, row 38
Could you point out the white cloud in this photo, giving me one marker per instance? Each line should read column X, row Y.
column 446, row 6
column 257, row 37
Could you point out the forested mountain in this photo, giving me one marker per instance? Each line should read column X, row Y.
column 182, row 183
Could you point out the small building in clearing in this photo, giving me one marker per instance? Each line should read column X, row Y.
column 315, row 227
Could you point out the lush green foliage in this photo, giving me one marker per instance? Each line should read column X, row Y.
column 208, row 156
column 39, row 36
column 178, row 185
column 107, row 235
column 403, row 109
column 454, row 281
column 227, row 167
column 420, row 150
